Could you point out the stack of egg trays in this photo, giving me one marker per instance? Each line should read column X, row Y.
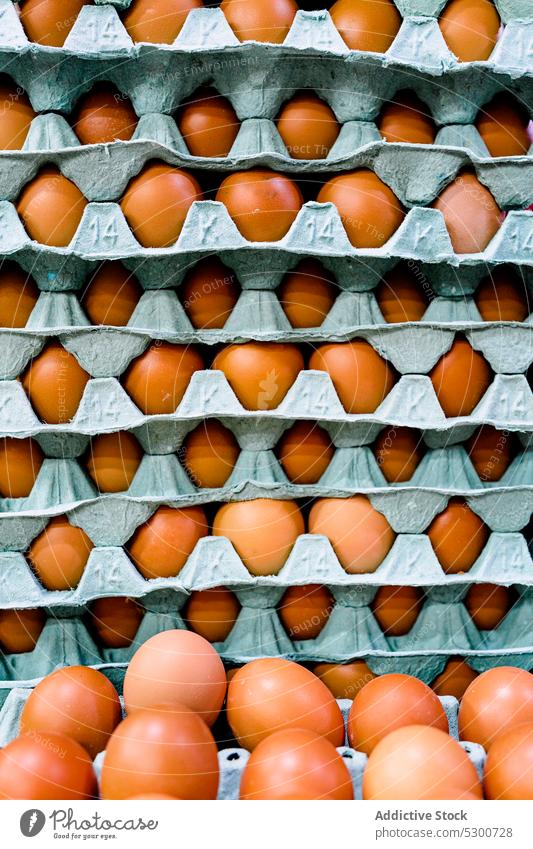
column 356, row 86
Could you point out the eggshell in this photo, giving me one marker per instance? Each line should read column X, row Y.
column 212, row 613
column 262, row 531
column 458, row 536
column 307, row 294
column 470, row 28
column 508, row 770
column 20, row 463
column 398, row 451
column 369, row 210
column 365, row 24
column 156, row 381
column 156, row 203
column 460, row 379
column 305, row 451
column 104, row 115
column 362, row 379
column 112, row 460
column 471, row 214
column 160, row 547
column 262, row 204
column 59, row 554
column 487, row 604
column 407, row 119
column 304, row 610
column 18, row 294
column 261, row 20
column 344, row 680
column 54, row 382
column 16, row 115
column 208, row 124
column 498, row 700
column 401, row 295
column 491, row 452
column 46, row 766
column 260, row 373
column 209, row 454
column 51, row 207
column 396, row 609
column 49, row 22
column 20, row 629
column 115, row 621
column 308, row 126
column 111, row 295
column 208, row 293
column 360, row 536
column 157, row 21
column 502, row 296
column 503, row 126
column 454, row 678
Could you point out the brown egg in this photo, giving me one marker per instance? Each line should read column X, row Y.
column 471, row 214
column 369, row 210
column 20, row 463
column 307, row 294
column 406, row 119
column 104, row 115
column 491, row 452
column 18, row 294
column 262, row 531
column 401, row 296
column 208, row 124
column 262, row 204
column 208, row 293
column 20, row 629
column 161, row 546
column 54, row 382
column 503, row 125
column 305, row 451
column 487, row 604
column 344, row 680
column 261, row 20
column 260, row 373
column 59, row 554
column 111, row 295
column 16, row 115
column 308, row 126
column 360, row 376
column 502, row 296
column 304, row 610
column 360, row 536
column 49, row 22
column 209, row 454
column 460, row 379
column 115, row 621
column 51, row 207
column 112, row 460
column 398, row 451
column 157, row 21
column 454, row 678
column 396, row 609
column 470, row 28
column 156, row 381
column 212, row 613
column 458, row 537
column 365, row 24
column 156, row 203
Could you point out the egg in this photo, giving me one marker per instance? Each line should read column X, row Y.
column 156, row 381
column 16, row 115
column 419, row 763
column 152, row 796
column 104, row 115
column 176, row 668
column 76, row 701
column 369, row 210
column 49, row 22
column 295, row 763
column 491, row 452
column 157, row 21
column 20, row 629
column 261, row 20
column 487, row 604
column 209, row 454
column 401, row 296
column 212, row 613
column 111, row 295
column 208, row 124
column 112, row 460
column 508, row 772
column 273, row 694
column 18, row 294
column 362, row 379
column 365, row 24
column 304, row 610
column 502, row 296
column 460, row 379
column 55, row 382
column 305, row 451
column 396, row 609
column 59, row 554
column 344, row 680
column 454, row 679
column 260, row 373
column 458, row 537
column 46, row 766
column 51, row 208
column 166, row 750
column 471, row 215
column 115, row 621
column 398, row 451
column 470, row 28
column 161, row 546
column 156, row 202
column 407, row 119
column 208, row 293
column 503, row 126
column 308, row 126
column 262, row 531
column 307, row 294
column 390, row 702
column 495, row 702
column 263, row 204
column 20, row 463
column 361, row 537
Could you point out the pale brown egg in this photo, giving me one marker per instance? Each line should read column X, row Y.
column 454, row 679
column 20, row 629
column 398, row 451
column 260, row 20
column 104, row 115
column 160, row 547
column 18, row 295
column 115, row 621
column 260, row 373
column 208, row 293
column 51, row 208
column 112, row 460
column 212, row 613
column 460, row 379
column 16, row 115
column 304, row 610
column 49, row 22
column 396, row 609
column 263, row 204
column 156, row 381
column 208, row 123
column 365, row 24
column 157, row 21
column 401, row 295
column 344, row 680
column 406, row 119
column 491, row 452
column 111, row 295
column 20, row 463
column 503, row 126
column 471, row 214
column 470, row 28
column 54, row 382
column 308, row 126
column 209, row 454
column 305, row 451
column 487, row 604
column 502, row 296
column 59, row 554
column 458, row 536
column 307, row 294
column 361, row 377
